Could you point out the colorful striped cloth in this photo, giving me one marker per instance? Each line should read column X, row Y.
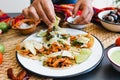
column 4, row 17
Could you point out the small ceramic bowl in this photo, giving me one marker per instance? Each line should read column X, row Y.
column 27, row 26
column 114, row 57
column 114, row 27
column 77, row 26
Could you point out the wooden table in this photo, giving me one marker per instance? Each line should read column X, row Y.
column 103, row 72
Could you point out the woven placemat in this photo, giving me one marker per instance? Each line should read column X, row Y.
column 106, row 37
column 13, row 37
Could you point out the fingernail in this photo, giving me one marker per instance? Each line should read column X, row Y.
column 53, row 20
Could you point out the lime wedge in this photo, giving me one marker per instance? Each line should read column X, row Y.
column 84, row 54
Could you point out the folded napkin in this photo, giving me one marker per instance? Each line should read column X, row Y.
column 4, row 17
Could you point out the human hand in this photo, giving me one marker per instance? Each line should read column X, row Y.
column 87, row 11
column 41, row 10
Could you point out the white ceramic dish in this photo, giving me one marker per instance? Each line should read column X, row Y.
column 77, row 26
column 36, row 66
column 109, row 26
column 113, row 62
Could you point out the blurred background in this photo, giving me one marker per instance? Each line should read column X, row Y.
column 16, row 6
column 13, row 6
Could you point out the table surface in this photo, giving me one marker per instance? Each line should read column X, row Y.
column 104, row 71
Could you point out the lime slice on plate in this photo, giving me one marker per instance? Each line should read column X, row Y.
column 84, row 54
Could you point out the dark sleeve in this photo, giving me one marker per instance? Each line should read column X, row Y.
column 54, row 1
column 68, row 1
column 64, row 1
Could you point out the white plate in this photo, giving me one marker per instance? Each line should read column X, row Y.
column 36, row 66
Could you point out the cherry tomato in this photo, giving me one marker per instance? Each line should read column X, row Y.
column 117, row 42
column 1, row 58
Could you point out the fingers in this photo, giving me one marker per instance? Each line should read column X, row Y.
column 25, row 12
column 85, row 20
column 41, row 10
column 90, row 15
column 85, row 17
column 76, row 8
column 30, row 12
column 33, row 14
column 49, row 10
column 42, row 14
column 87, row 12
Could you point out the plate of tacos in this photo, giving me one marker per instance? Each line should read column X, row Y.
column 62, row 52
